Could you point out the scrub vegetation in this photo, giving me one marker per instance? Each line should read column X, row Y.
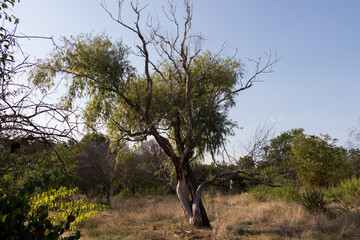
column 139, row 169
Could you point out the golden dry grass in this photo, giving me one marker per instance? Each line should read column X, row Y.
column 232, row 217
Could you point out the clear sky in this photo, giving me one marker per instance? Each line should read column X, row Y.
column 314, row 86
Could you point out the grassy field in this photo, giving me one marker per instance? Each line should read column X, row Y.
column 231, row 216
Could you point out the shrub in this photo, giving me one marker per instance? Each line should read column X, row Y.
column 314, row 201
column 25, row 215
column 346, row 193
column 287, row 193
column 260, row 192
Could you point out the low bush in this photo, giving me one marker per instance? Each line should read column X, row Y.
column 260, row 192
column 314, row 201
column 286, row 193
column 347, row 192
column 26, row 215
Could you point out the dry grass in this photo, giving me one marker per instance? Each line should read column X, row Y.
column 232, row 217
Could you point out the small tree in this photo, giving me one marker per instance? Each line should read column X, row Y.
column 182, row 101
column 353, row 162
column 96, row 164
column 159, row 165
column 318, row 162
column 279, row 153
column 144, row 168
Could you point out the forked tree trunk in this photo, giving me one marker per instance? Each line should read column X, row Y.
column 196, row 196
column 194, row 210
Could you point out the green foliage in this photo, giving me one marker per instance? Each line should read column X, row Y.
column 347, row 192
column 246, row 163
column 353, row 163
column 314, row 200
column 35, row 159
column 260, row 192
column 94, row 137
column 221, row 77
column 315, row 161
column 7, row 42
column 26, row 215
column 98, row 69
column 20, row 220
column 318, row 162
column 278, row 163
column 7, row 163
column 286, row 193
column 75, row 210
column 134, row 172
column 96, row 166
column 139, row 175
column 4, row 7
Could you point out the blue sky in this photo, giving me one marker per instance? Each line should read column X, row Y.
column 314, row 86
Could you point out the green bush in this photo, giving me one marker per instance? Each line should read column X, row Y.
column 25, row 214
column 260, row 192
column 286, row 193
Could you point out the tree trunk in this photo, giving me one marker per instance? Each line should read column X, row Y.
column 194, row 210
column 197, row 205
column 183, row 198
column 109, row 194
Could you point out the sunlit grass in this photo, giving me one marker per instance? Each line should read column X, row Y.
column 231, row 216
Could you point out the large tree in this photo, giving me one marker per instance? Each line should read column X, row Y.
column 181, row 100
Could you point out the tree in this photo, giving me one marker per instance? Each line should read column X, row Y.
column 318, row 161
column 312, row 160
column 33, row 159
column 353, row 162
column 278, row 155
column 158, row 164
column 181, row 101
column 145, row 169
column 96, row 164
column 353, row 152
